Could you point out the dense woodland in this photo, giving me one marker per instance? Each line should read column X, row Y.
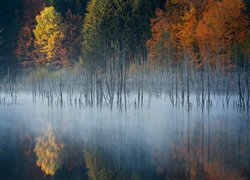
column 178, row 46
column 60, row 33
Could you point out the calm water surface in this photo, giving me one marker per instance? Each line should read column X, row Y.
column 153, row 141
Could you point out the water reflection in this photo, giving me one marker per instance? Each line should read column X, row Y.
column 154, row 142
column 49, row 152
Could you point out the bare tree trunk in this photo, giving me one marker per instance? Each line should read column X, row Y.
column 60, row 93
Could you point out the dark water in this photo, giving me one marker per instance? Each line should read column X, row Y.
column 153, row 141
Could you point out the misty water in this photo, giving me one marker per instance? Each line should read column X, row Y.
column 150, row 140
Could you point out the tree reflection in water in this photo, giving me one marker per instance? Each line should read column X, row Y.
column 221, row 156
column 48, row 152
column 200, row 154
column 198, row 146
column 98, row 169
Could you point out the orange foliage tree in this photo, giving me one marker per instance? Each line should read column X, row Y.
column 173, row 31
column 25, row 47
column 223, row 23
column 199, row 28
column 187, row 35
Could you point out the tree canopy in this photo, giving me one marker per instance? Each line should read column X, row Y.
column 60, row 32
column 199, row 28
column 48, row 37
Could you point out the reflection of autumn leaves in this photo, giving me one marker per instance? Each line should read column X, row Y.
column 27, row 144
column 99, row 169
column 220, row 165
column 96, row 167
column 72, row 154
column 48, row 152
column 196, row 161
column 169, row 163
column 217, row 170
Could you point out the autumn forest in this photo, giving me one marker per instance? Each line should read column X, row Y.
column 60, row 34
column 125, row 89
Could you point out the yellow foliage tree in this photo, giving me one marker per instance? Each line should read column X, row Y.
column 48, row 38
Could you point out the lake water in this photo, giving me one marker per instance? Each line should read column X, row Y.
column 153, row 141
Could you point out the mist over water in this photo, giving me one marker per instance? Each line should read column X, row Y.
column 154, row 141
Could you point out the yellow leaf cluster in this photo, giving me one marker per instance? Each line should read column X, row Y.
column 49, row 34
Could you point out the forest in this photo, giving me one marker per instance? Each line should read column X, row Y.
column 59, row 34
column 125, row 89
column 108, row 42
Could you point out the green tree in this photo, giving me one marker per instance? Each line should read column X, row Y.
column 91, row 29
column 62, row 6
column 116, row 24
column 73, row 38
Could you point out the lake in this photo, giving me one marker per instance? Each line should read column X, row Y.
column 150, row 140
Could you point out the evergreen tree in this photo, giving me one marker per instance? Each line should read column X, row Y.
column 10, row 20
column 73, row 38
column 62, row 6
column 116, row 23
